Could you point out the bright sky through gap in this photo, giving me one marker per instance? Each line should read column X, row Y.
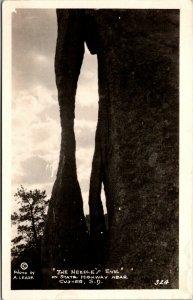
column 35, row 111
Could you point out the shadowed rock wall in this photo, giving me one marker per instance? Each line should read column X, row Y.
column 138, row 132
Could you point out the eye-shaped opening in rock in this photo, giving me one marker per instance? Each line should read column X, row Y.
column 86, row 116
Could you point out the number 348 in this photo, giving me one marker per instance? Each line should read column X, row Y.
column 161, row 282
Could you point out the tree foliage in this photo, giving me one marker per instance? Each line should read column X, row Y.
column 29, row 219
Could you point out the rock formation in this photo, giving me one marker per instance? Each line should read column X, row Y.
column 136, row 146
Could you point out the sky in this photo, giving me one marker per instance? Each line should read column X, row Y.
column 35, row 111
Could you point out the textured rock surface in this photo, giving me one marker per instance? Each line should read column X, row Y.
column 138, row 88
column 136, row 147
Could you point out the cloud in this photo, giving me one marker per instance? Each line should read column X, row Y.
column 34, row 134
column 35, row 170
column 33, row 46
column 88, row 112
column 36, row 140
column 87, row 94
column 89, row 68
column 52, row 112
column 35, row 112
column 85, row 135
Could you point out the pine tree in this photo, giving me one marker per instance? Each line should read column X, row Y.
column 29, row 219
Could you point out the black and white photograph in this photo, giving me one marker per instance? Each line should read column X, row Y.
column 97, row 189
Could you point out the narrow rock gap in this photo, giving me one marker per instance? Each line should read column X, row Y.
column 103, row 199
column 86, row 116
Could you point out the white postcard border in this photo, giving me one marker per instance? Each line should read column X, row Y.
column 186, row 152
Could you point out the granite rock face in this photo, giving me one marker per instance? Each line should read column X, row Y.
column 136, row 146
